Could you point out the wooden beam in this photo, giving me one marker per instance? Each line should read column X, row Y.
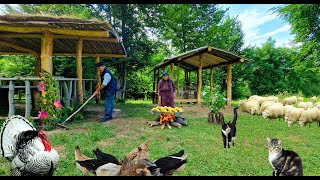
column 211, row 79
column 229, row 84
column 79, row 69
column 87, row 38
column 26, row 29
column 46, row 51
column 16, row 53
column 15, row 35
column 98, row 84
column 18, row 48
column 199, row 81
column 223, row 64
column 171, row 71
column 92, row 55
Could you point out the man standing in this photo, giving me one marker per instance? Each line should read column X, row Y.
column 109, row 88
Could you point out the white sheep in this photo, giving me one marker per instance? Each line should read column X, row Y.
column 287, row 112
column 273, row 98
column 253, row 107
column 309, row 104
column 265, row 104
column 273, row 111
column 243, row 105
column 293, row 115
column 289, row 100
column 302, row 105
column 308, row 116
column 313, row 99
column 260, row 99
column 317, row 105
column 300, row 99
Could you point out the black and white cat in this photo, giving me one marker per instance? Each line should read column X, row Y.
column 283, row 162
column 229, row 130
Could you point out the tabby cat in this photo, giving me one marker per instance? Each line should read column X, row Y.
column 229, row 129
column 283, row 162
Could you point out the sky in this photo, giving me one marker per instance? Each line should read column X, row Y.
column 258, row 24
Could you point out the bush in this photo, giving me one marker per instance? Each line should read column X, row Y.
column 216, row 102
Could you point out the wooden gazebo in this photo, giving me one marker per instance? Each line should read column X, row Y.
column 206, row 57
column 47, row 36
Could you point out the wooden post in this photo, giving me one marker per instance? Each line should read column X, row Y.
column 74, row 90
column 199, row 81
column 211, row 79
column 79, row 69
column 69, row 91
column 46, row 51
column 90, row 90
column 171, row 71
column 178, row 79
column 158, row 79
column 124, row 81
column 229, row 80
column 84, row 88
column 58, row 87
column 28, row 99
column 154, row 87
column 98, row 84
column 66, row 94
column 11, row 99
column 36, row 93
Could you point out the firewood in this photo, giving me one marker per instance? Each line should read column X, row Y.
column 176, row 124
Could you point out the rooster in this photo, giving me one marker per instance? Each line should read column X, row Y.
column 28, row 150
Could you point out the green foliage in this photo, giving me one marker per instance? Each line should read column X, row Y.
column 139, row 85
column 12, row 66
column 215, row 102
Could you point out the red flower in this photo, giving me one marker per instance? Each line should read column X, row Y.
column 57, row 103
column 43, row 115
column 42, row 86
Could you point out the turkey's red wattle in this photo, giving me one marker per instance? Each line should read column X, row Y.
column 46, row 143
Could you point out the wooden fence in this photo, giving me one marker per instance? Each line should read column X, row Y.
column 67, row 91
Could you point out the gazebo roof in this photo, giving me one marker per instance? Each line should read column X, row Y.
column 21, row 35
column 211, row 56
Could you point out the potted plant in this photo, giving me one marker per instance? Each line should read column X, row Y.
column 216, row 102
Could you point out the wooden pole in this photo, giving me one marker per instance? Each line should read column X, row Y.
column 98, row 84
column 83, row 88
column 154, row 87
column 199, row 81
column 211, row 79
column 79, row 69
column 66, row 94
column 229, row 80
column 36, row 93
column 171, row 71
column 90, row 90
column 28, row 99
column 46, row 51
column 11, row 99
column 178, row 79
column 124, row 80
column 158, row 79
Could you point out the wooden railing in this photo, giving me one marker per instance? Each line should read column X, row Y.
column 67, row 91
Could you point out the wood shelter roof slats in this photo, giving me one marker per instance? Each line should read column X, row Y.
column 211, row 57
column 109, row 44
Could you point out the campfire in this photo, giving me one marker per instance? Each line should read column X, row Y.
column 167, row 117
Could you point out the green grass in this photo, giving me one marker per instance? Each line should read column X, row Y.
column 201, row 141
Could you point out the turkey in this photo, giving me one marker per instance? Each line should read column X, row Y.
column 28, row 150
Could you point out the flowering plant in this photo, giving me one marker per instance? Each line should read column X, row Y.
column 49, row 101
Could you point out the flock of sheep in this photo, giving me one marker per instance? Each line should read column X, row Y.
column 291, row 109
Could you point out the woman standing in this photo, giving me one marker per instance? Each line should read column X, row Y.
column 166, row 91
